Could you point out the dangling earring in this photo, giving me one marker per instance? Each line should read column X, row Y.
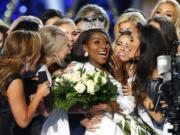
column 86, row 54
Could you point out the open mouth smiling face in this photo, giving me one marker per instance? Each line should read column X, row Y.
column 98, row 48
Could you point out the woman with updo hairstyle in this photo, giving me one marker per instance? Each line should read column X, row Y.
column 20, row 48
column 170, row 9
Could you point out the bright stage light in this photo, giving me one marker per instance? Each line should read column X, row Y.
column 23, row 9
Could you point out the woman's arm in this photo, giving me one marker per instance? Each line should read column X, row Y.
column 156, row 116
column 22, row 113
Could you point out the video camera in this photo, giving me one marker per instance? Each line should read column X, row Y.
column 167, row 88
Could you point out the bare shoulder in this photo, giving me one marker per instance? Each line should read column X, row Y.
column 15, row 86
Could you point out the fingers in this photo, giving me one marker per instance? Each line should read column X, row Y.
column 69, row 68
column 96, row 120
column 44, row 89
column 93, row 124
column 127, row 93
column 163, row 104
column 115, row 63
column 148, row 103
column 151, row 105
column 91, row 128
column 35, row 78
column 127, row 90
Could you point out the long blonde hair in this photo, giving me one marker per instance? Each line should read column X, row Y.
column 177, row 7
column 18, row 46
column 134, row 17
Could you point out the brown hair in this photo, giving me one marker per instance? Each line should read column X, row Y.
column 18, row 46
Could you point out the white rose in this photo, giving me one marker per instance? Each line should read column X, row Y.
column 76, row 76
column 99, row 75
column 58, row 80
column 91, row 86
column 96, row 77
column 80, row 87
column 84, row 77
column 67, row 76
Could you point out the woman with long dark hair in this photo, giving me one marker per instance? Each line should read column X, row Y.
column 151, row 46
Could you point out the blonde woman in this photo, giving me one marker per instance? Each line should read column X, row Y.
column 56, row 51
column 20, row 48
column 92, row 15
column 126, row 20
column 169, row 9
column 55, row 45
column 70, row 28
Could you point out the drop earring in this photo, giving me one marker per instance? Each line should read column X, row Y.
column 86, row 54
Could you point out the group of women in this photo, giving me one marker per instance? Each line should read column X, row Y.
column 56, row 45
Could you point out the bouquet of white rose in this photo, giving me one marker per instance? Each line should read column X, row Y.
column 83, row 88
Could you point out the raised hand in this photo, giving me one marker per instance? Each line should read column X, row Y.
column 127, row 90
column 117, row 68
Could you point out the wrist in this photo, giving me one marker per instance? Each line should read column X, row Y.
column 38, row 97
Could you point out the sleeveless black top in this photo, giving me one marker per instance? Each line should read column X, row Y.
column 6, row 118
